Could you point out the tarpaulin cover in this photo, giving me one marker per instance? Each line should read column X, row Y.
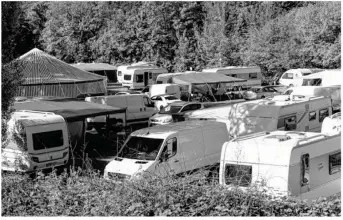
column 94, row 66
column 202, row 78
column 69, row 109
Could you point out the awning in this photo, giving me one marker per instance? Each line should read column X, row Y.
column 70, row 109
column 94, row 66
column 203, row 78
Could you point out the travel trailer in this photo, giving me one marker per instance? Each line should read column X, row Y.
column 304, row 165
column 334, row 92
column 139, row 75
column 293, row 77
column 332, row 124
column 35, row 141
column 277, row 113
column 163, row 89
column 252, row 74
column 139, row 109
column 324, row 78
column 169, row 149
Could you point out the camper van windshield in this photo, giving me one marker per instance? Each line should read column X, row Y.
column 49, row 139
column 141, row 148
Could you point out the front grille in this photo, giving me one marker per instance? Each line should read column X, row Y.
column 117, row 176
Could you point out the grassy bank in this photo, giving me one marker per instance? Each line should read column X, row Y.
column 88, row 194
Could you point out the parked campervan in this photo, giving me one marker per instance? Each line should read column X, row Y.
column 123, row 68
column 277, row 113
column 332, row 124
column 324, row 78
column 252, row 74
column 305, row 165
column 169, row 149
column 163, row 89
column 334, row 92
column 138, row 76
column 139, row 109
column 35, row 141
column 293, row 77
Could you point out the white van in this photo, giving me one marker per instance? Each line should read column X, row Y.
column 278, row 113
column 163, row 89
column 324, row 78
column 169, row 149
column 334, row 92
column 35, row 141
column 139, row 109
column 252, row 74
column 305, row 165
column 293, row 77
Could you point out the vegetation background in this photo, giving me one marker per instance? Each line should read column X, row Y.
column 178, row 35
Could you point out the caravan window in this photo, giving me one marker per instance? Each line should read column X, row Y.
column 127, row 77
column 289, row 123
column 323, row 113
column 335, row 163
column 139, row 78
column 150, row 75
column 238, row 174
column 287, row 76
column 252, row 75
column 49, row 139
column 305, row 169
column 312, row 116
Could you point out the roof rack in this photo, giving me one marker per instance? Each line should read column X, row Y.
column 245, row 137
column 312, row 137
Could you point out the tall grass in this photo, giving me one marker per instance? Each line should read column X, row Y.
column 77, row 192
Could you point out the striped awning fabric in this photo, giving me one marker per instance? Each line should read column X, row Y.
column 42, row 68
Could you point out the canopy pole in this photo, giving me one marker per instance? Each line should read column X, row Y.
column 209, row 87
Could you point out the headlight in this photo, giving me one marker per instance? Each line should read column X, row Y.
column 167, row 120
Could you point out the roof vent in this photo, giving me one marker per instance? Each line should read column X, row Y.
column 279, row 138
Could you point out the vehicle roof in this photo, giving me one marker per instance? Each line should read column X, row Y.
column 162, row 131
column 272, row 148
column 182, row 103
column 268, row 107
column 229, row 67
column 164, row 95
column 33, row 118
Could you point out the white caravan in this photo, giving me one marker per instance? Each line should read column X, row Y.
column 252, row 74
column 324, row 78
column 138, row 76
column 278, row 113
column 169, row 149
column 334, row 92
column 35, row 141
column 332, row 124
column 305, row 165
column 293, row 77
column 139, row 109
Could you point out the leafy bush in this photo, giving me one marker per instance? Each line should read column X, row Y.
column 81, row 193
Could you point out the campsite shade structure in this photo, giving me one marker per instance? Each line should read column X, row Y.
column 45, row 75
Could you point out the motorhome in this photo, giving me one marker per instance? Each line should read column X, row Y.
column 304, row 165
column 294, row 77
column 139, row 109
column 35, row 141
column 138, row 76
column 163, row 89
column 334, row 92
column 169, row 149
column 252, row 74
column 277, row 113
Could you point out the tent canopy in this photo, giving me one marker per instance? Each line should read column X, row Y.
column 41, row 68
column 203, row 78
column 70, row 109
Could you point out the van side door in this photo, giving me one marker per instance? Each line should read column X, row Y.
column 134, row 107
column 148, row 108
